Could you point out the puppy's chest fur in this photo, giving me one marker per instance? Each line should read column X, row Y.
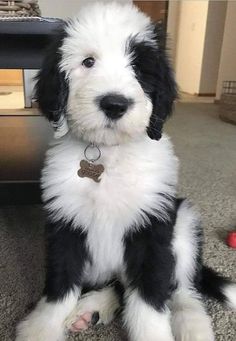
column 132, row 185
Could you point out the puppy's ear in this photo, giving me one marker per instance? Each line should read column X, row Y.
column 165, row 88
column 51, row 90
column 153, row 71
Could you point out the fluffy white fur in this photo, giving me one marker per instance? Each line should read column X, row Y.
column 185, row 243
column 109, row 209
column 230, row 293
column 144, row 323
column 189, row 319
column 46, row 321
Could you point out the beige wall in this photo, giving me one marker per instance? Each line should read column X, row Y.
column 198, row 31
column 65, row 8
column 212, row 46
column 227, row 70
column 190, row 47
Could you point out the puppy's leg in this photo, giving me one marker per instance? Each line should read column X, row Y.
column 94, row 307
column 190, row 321
column 148, row 278
column 144, row 322
column 66, row 255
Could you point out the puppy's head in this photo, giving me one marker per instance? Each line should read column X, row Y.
column 108, row 76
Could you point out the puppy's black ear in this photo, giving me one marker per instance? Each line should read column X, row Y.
column 51, row 90
column 165, row 88
column 155, row 75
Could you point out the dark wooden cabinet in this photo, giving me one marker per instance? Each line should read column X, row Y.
column 23, row 139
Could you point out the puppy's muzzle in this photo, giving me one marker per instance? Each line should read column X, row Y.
column 114, row 105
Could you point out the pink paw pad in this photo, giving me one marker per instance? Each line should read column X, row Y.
column 85, row 321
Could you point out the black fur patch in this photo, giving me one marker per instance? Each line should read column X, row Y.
column 52, row 86
column 153, row 71
column 150, row 261
column 211, row 284
column 66, row 254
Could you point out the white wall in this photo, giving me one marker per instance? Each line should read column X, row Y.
column 227, row 70
column 65, row 8
column 212, row 47
column 190, row 47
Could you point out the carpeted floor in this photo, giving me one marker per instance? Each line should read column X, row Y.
column 207, row 151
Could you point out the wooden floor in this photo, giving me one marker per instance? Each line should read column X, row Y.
column 23, row 142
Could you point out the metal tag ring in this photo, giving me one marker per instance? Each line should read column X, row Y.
column 92, row 146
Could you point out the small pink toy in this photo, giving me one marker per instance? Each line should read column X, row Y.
column 231, row 239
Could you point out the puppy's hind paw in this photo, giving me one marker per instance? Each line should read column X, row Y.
column 190, row 326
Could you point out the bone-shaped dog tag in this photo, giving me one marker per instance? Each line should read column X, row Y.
column 90, row 170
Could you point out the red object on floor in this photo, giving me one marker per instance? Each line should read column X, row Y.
column 231, row 239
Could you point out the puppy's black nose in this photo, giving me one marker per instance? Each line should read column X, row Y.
column 114, row 105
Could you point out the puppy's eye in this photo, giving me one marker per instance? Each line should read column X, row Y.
column 136, row 70
column 88, row 62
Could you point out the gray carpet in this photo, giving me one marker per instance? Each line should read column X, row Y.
column 207, row 151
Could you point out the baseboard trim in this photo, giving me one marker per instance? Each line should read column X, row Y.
column 207, row 94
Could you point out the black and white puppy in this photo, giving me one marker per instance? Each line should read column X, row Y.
column 107, row 86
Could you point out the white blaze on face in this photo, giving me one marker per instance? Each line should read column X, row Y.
column 103, row 33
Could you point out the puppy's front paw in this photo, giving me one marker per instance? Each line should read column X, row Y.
column 35, row 330
column 44, row 323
